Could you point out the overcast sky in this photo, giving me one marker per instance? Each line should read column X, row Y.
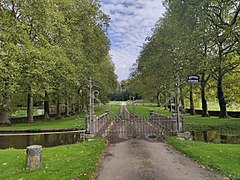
column 131, row 22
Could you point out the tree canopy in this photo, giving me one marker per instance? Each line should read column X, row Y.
column 49, row 49
column 193, row 37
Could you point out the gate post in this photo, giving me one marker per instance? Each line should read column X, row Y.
column 134, row 125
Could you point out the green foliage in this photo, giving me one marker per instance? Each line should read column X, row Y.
column 124, row 92
column 53, row 46
column 193, row 37
column 77, row 161
column 224, row 158
column 22, row 112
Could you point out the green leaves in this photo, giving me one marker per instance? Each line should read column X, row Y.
column 52, row 45
column 193, row 37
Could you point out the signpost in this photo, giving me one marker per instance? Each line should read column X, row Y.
column 177, row 105
column 193, row 79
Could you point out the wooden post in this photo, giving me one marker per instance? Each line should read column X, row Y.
column 34, row 157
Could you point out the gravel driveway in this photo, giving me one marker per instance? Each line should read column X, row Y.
column 138, row 159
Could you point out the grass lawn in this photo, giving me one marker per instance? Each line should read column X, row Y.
column 227, row 126
column 224, row 158
column 71, row 122
column 77, row 161
column 112, row 108
column 115, row 102
column 22, row 112
column 143, row 110
column 213, row 105
column 224, row 125
column 64, row 123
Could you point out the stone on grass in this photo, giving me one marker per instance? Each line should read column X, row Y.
column 34, row 157
column 186, row 135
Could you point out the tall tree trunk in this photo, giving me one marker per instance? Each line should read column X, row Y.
column 73, row 109
column 59, row 113
column 158, row 98
column 221, row 99
column 176, row 98
column 85, row 103
column 30, row 105
column 66, row 107
column 166, row 101
column 46, row 106
column 182, row 101
column 203, row 96
column 170, row 101
column 192, row 109
column 78, row 108
column 5, row 109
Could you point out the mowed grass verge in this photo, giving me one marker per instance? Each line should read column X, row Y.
column 77, row 161
column 224, row 158
column 72, row 122
column 227, row 126
column 143, row 110
column 113, row 109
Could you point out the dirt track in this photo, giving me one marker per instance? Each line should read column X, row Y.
column 137, row 159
